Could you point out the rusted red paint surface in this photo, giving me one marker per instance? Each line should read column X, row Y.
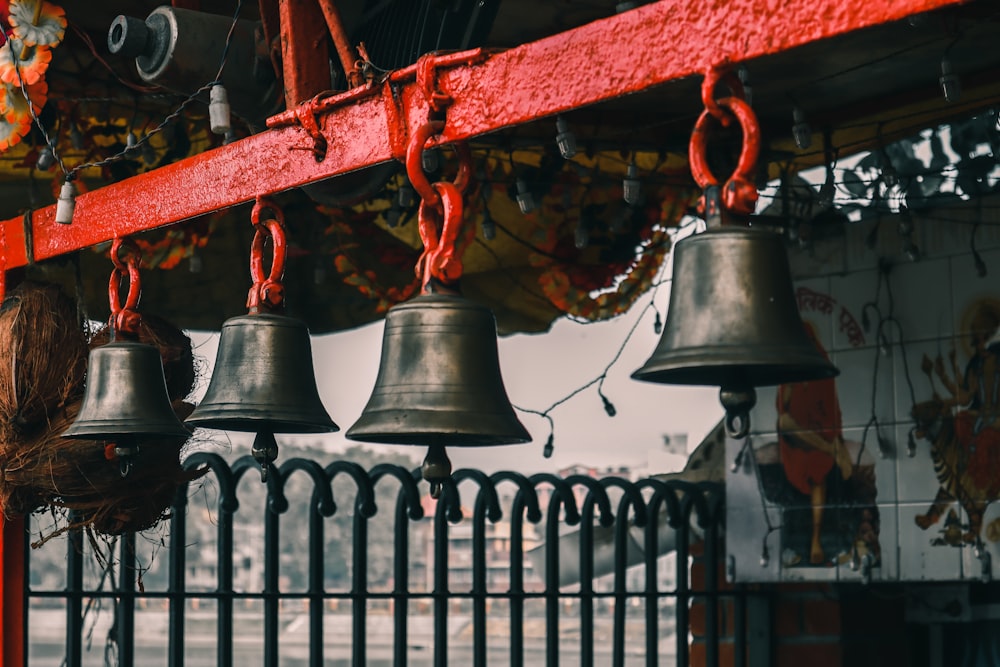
column 304, row 54
column 619, row 55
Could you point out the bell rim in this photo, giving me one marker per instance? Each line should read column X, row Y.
column 99, row 430
column 426, row 427
column 254, row 424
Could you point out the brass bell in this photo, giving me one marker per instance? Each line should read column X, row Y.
column 439, row 383
column 263, row 382
column 733, row 321
column 125, row 400
column 263, row 379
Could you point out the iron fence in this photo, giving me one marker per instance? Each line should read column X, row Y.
column 536, row 569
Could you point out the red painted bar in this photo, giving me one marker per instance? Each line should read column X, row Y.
column 619, row 55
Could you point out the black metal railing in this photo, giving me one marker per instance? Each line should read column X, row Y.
column 273, row 584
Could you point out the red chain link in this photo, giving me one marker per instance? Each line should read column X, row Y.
column 125, row 318
column 739, row 194
column 267, row 292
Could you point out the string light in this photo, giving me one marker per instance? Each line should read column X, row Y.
column 46, row 158
column 631, row 187
column 66, row 203
column 405, row 196
column 565, row 139
column 75, row 137
column 430, row 160
column 489, row 225
column 525, row 200
column 219, row 114
column 801, row 132
column 195, row 263
column 744, row 76
column 625, row 6
column 951, row 87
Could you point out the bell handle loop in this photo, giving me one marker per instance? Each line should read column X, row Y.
column 739, row 194
column 124, row 317
column 267, row 291
column 724, row 75
column 414, row 160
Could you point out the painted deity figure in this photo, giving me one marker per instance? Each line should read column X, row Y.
column 810, row 436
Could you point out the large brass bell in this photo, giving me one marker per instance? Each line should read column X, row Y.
column 733, row 321
column 263, row 380
column 125, row 399
column 439, row 383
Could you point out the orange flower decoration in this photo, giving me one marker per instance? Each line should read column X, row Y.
column 32, row 61
column 15, row 116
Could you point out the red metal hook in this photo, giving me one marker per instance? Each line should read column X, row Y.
column 441, row 258
column 267, row 291
column 739, row 194
column 415, row 168
column 124, row 318
column 715, row 76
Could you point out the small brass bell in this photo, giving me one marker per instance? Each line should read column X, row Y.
column 125, row 399
column 733, row 321
column 439, row 383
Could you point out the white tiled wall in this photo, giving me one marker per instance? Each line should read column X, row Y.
column 929, row 302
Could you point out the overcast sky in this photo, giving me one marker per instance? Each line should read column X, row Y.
column 538, row 370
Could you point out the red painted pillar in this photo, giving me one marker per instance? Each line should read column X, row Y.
column 12, row 572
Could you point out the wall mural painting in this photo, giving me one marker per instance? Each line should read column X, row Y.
column 824, row 484
column 961, row 422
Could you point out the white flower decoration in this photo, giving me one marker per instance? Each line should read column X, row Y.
column 49, row 29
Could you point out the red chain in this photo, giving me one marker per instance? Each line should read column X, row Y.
column 125, row 318
column 739, row 194
column 267, row 292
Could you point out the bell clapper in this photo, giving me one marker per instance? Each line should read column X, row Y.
column 738, row 403
column 436, row 469
column 264, row 451
column 125, row 453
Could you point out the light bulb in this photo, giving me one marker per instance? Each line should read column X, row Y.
column 581, row 236
column 625, row 6
column 565, row 140
column 951, row 87
column 489, row 226
column 405, row 196
column 744, row 75
column 66, row 203
column 195, row 264
column 525, row 200
column 75, row 137
column 130, row 140
column 46, row 159
column 801, row 131
column 219, row 116
column 631, row 187
column 431, row 160
column 392, row 216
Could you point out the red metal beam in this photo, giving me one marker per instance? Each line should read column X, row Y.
column 622, row 54
column 304, row 52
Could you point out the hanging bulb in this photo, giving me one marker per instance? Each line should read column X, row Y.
column 431, row 160
column 625, row 6
column 951, row 87
column 525, row 200
column 609, row 406
column 631, row 187
column 229, row 137
column 195, row 264
column 130, row 140
column 66, row 203
column 744, row 75
column 658, row 324
column 565, row 140
column 219, row 116
column 549, row 446
column 75, row 137
column 405, row 196
column 581, row 235
column 392, row 216
column 801, row 131
column 489, row 226
column 46, row 158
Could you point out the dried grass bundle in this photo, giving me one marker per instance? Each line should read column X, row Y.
column 39, row 469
